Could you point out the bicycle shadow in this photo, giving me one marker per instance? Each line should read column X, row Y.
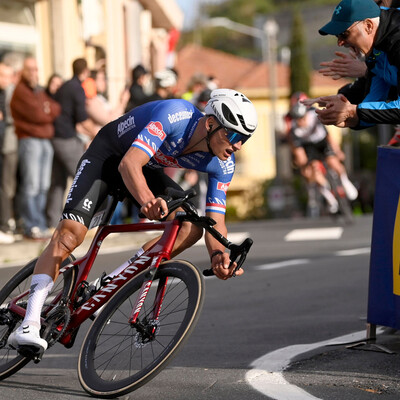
column 41, row 388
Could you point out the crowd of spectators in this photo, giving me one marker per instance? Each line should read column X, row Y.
column 45, row 130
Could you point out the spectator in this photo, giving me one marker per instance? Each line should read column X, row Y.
column 98, row 107
column 197, row 83
column 375, row 32
column 202, row 99
column 212, row 82
column 10, row 152
column 5, row 81
column 68, row 148
column 53, row 84
column 349, row 65
column 33, row 112
column 138, row 96
column 165, row 83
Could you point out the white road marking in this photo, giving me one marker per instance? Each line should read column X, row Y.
column 353, row 252
column 282, row 264
column 314, row 234
column 267, row 373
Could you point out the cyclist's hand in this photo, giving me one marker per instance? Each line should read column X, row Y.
column 155, row 209
column 220, row 267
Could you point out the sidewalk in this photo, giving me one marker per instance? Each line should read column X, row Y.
column 24, row 250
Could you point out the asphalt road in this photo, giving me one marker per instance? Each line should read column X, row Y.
column 293, row 292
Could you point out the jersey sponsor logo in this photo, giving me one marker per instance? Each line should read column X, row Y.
column 165, row 160
column 179, row 116
column 77, row 175
column 155, row 128
column 73, row 217
column 87, row 204
column 126, row 125
column 223, row 186
column 228, row 166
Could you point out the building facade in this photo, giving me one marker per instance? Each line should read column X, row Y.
column 117, row 33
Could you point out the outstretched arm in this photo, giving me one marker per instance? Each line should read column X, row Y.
column 220, row 259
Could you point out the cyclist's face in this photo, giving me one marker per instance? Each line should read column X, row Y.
column 221, row 145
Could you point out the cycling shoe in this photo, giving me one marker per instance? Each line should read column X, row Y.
column 27, row 335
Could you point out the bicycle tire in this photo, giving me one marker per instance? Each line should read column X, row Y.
column 10, row 361
column 113, row 341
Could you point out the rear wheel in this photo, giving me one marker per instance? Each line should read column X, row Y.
column 117, row 357
column 18, row 286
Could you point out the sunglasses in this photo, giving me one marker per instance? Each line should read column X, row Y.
column 344, row 35
column 235, row 137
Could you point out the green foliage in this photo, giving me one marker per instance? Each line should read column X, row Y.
column 300, row 65
column 242, row 11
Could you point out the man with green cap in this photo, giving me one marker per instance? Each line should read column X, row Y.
column 371, row 32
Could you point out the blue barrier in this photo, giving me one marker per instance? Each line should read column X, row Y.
column 384, row 275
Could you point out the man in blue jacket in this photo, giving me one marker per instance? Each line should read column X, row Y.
column 367, row 30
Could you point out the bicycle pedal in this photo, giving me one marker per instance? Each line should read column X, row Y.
column 31, row 352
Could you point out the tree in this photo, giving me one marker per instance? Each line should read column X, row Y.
column 300, row 64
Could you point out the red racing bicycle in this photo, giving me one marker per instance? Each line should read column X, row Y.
column 142, row 316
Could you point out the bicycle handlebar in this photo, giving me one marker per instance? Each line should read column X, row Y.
column 179, row 198
column 176, row 199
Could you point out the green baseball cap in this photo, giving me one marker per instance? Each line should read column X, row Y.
column 347, row 12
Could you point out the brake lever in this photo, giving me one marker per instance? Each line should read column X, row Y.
column 237, row 251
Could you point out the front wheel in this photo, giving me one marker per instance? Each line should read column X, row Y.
column 116, row 357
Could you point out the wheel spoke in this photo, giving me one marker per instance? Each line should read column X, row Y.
column 119, row 360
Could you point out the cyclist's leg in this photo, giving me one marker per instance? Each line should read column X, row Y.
column 324, row 186
column 67, row 236
column 87, row 193
column 334, row 163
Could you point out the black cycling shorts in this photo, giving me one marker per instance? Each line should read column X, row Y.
column 318, row 151
column 97, row 177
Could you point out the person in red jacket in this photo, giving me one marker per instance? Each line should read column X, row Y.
column 33, row 112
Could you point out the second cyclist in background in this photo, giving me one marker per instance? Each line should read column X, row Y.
column 312, row 145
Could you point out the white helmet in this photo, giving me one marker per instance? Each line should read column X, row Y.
column 233, row 110
column 165, row 78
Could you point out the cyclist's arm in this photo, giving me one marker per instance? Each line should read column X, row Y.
column 220, row 261
column 130, row 169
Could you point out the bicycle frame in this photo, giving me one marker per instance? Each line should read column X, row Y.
column 150, row 259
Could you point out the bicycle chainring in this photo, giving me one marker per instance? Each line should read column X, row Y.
column 55, row 324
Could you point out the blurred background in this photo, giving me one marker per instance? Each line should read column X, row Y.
column 267, row 49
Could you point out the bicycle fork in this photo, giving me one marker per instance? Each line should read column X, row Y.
column 149, row 325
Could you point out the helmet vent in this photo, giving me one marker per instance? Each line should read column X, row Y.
column 241, row 119
column 227, row 113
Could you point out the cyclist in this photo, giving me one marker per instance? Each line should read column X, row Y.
column 131, row 152
column 312, row 144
